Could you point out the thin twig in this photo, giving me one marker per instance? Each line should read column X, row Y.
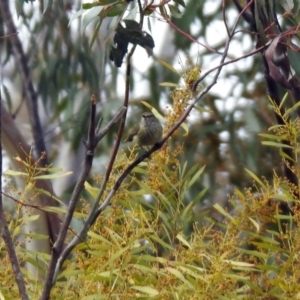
column 189, row 37
column 87, row 165
column 224, row 17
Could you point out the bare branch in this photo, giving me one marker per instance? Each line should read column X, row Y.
column 87, row 165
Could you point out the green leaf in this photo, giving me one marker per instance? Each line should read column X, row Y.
column 278, row 145
column 153, row 110
column 202, row 109
column 70, row 273
column 168, row 66
column 288, row 5
column 49, row 194
column 196, row 177
column 269, row 247
column 169, row 84
column 7, row 97
column 88, row 17
column 257, row 226
column 193, row 271
column 47, row 4
column 180, row 2
column 221, row 210
column 55, row 209
column 286, row 156
column 259, row 7
column 292, row 109
column 115, row 9
column 19, row 6
column 30, row 218
column 271, row 136
column 115, row 256
column 91, row 190
column 146, row 289
column 52, row 176
column 91, row 5
column 175, row 11
column 180, row 276
column 281, row 102
column 269, row 268
column 15, row 173
column 183, row 240
column 161, row 242
column 75, row 16
column 96, row 31
column 294, row 56
column 254, row 253
column 256, row 179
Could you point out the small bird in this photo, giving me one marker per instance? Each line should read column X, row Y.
column 147, row 133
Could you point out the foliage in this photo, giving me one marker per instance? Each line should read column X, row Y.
column 151, row 224
column 143, row 245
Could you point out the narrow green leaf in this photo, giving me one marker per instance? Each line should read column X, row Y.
column 180, row 2
column 192, row 272
column 278, row 145
column 283, row 100
column 75, row 16
column 257, row 226
column 91, row 190
column 91, row 5
column 258, row 10
column 88, row 17
column 286, row 156
column 294, row 56
column 180, row 276
column 175, row 11
column 96, row 31
column 30, row 218
column 202, row 109
column 183, row 240
column 114, row 257
column 52, row 176
column 158, row 259
column 269, row 247
column 15, row 173
column 140, row 170
column 221, row 210
column 161, row 242
column 254, row 253
column 47, row 4
column 269, row 267
column 153, row 110
column 49, row 194
column 55, row 209
column 292, row 109
column 168, row 66
column 271, row 136
column 146, row 289
column 70, row 273
column 196, row 177
column 169, row 84
column 255, row 178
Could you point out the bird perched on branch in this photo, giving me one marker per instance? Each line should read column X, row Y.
column 147, row 132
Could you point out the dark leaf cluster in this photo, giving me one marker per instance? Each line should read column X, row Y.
column 131, row 34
